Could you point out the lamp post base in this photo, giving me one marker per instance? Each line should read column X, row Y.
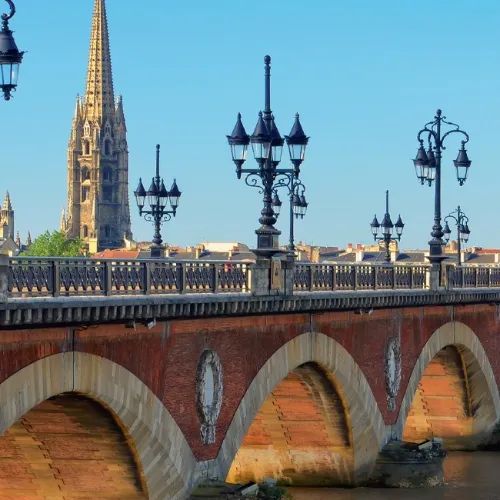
column 268, row 238
column 157, row 251
column 436, row 254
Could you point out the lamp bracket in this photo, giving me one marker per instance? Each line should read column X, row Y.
column 6, row 17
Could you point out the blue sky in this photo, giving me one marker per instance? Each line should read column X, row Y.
column 365, row 77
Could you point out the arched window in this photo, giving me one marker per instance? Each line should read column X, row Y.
column 85, row 174
column 85, row 193
column 85, row 232
column 107, row 174
column 107, row 231
column 107, row 147
column 86, row 147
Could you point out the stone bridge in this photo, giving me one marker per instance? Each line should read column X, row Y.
column 139, row 379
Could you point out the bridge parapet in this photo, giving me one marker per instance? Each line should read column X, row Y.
column 52, row 277
column 326, row 277
column 472, row 277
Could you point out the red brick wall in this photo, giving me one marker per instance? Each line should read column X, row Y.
column 442, row 404
column 68, row 447
column 300, row 435
column 166, row 357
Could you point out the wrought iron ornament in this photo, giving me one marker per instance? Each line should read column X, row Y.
column 463, row 231
column 158, row 198
column 267, row 146
column 10, row 57
column 428, row 169
column 387, row 228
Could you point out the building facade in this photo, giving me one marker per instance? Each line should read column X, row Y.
column 7, row 219
column 98, row 203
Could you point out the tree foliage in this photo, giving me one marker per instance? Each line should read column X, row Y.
column 55, row 244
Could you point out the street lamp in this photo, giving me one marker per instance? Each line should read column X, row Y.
column 158, row 198
column 463, row 231
column 267, row 146
column 428, row 168
column 10, row 57
column 387, row 229
column 298, row 204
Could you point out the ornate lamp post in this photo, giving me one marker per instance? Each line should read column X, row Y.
column 157, row 198
column 267, row 146
column 298, row 204
column 387, row 229
column 463, row 231
column 428, row 168
column 10, row 57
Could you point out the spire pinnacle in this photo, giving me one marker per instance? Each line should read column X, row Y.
column 99, row 93
column 7, row 205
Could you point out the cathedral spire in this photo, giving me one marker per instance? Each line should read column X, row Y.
column 99, row 93
column 7, row 205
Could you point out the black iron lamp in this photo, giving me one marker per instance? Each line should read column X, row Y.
column 158, row 199
column 462, row 164
column 10, row 57
column 463, row 232
column 277, row 203
column 384, row 232
column 267, row 146
column 428, row 168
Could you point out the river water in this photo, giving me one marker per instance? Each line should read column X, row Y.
column 468, row 476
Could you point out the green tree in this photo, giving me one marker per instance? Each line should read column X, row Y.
column 55, row 244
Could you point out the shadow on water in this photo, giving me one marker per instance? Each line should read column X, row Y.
column 468, row 476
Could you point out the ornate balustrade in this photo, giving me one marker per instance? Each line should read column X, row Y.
column 472, row 277
column 330, row 277
column 48, row 277
column 39, row 277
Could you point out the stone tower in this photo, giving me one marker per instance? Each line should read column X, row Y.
column 98, row 204
column 7, row 218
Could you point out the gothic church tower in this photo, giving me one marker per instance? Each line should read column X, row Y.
column 98, row 205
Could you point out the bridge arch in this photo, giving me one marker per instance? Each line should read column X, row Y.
column 366, row 426
column 453, row 347
column 164, row 455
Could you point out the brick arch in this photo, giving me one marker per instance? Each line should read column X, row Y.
column 166, row 459
column 457, row 363
column 300, row 436
column 367, row 429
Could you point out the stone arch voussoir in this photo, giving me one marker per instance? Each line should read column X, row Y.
column 368, row 431
column 167, row 462
column 483, row 388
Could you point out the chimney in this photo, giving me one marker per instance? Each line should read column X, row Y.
column 349, row 248
column 497, row 258
column 197, row 252
column 315, row 255
column 360, row 254
column 358, row 246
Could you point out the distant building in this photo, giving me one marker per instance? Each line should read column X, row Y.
column 7, row 219
column 98, row 197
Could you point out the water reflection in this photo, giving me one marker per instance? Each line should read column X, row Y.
column 469, row 476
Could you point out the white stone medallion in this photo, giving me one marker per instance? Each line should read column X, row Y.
column 392, row 369
column 209, row 390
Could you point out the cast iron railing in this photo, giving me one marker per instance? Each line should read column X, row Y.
column 329, row 277
column 38, row 277
column 472, row 277
column 48, row 277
